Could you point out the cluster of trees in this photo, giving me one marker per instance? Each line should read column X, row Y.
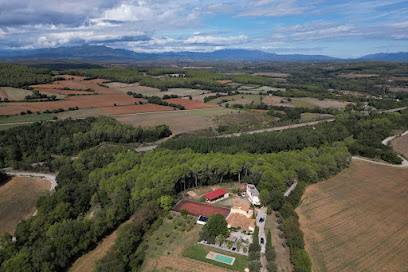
column 14, row 75
column 127, row 254
column 254, row 252
column 267, row 142
column 270, row 253
column 291, row 229
column 39, row 142
column 128, row 75
column 36, row 95
column 215, row 227
column 365, row 133
column 157, row 100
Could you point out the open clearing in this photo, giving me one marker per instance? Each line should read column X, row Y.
column 400, row 145
column 178, row 121
column 14, row 94
column 18, row 198
column 357, row 220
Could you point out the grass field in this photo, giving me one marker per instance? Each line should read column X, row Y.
column 357, row 220
column 199, row 252
column 14, row 94
column 18, row 198
column 178, row 121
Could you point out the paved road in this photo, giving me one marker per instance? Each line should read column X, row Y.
column 276, row 128
column 50, row 177
column 261, row 214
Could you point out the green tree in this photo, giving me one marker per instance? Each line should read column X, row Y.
column 166, row 202
column 216, row 225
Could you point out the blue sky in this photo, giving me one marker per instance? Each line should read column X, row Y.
column 335, row 28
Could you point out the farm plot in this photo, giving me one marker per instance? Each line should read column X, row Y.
column 13, row 94
column 136, row 109
column 357, row 220
column 178, row 121
column 135, row 87
column 310, row 102
column 400, row 144
column 18, row 198
column 104, row 96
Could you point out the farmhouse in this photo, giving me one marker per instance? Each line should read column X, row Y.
column 241, row 215
column 215, row 195
column 253, row 194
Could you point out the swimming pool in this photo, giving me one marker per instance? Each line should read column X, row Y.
column 220, row 258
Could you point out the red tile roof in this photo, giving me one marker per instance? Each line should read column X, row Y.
column 198, row 208
column 213, row 195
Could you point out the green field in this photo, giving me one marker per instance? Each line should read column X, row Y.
column 199, row 252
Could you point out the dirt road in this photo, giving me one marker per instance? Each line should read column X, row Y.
column 276, row 128
column 49, row 176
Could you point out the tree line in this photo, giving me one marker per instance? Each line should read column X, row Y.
column 14, row 75
column 40, row 142
column 364, row 134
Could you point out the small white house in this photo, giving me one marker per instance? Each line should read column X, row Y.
column 253, row 194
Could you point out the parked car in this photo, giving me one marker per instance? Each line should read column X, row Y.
column 262, row 240
column 261, row 220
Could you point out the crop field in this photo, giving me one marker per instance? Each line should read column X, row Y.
column 18, row 198
column 400, row 144
column 13, row 94
column 244, row 121
column 135, row 87
column 310, row 102
column 178, row 121
column 136, row 109
column 357, row 220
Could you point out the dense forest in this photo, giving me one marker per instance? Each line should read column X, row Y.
column 106, row 185
column 14, row 75
column 365, row 134
column 40, row 142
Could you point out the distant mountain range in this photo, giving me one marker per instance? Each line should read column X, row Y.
column 107, row 54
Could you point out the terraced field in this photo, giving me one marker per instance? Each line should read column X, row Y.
column 357, row 220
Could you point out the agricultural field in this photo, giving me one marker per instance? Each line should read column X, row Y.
column 13, row 94
column 244, row 121
column 357, row 220
column 18, row 198
column 178, row 121
column 400, row 145
column 271, row 100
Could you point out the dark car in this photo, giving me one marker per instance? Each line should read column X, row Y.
column 262, row 240
column 261, row 220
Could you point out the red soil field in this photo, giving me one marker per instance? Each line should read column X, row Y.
column 83, row 102
column 105, row 97
column 190, row 104
column 197, row 208
column 136, row 108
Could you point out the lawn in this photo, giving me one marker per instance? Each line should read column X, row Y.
column 199, row 252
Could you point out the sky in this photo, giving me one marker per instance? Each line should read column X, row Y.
column 346, row 28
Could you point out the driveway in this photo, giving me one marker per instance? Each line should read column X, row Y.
column 261, row 214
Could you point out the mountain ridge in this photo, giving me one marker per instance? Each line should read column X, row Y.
column 104, row 53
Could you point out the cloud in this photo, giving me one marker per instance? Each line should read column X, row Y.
column 273, row 8
column 216, row 40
